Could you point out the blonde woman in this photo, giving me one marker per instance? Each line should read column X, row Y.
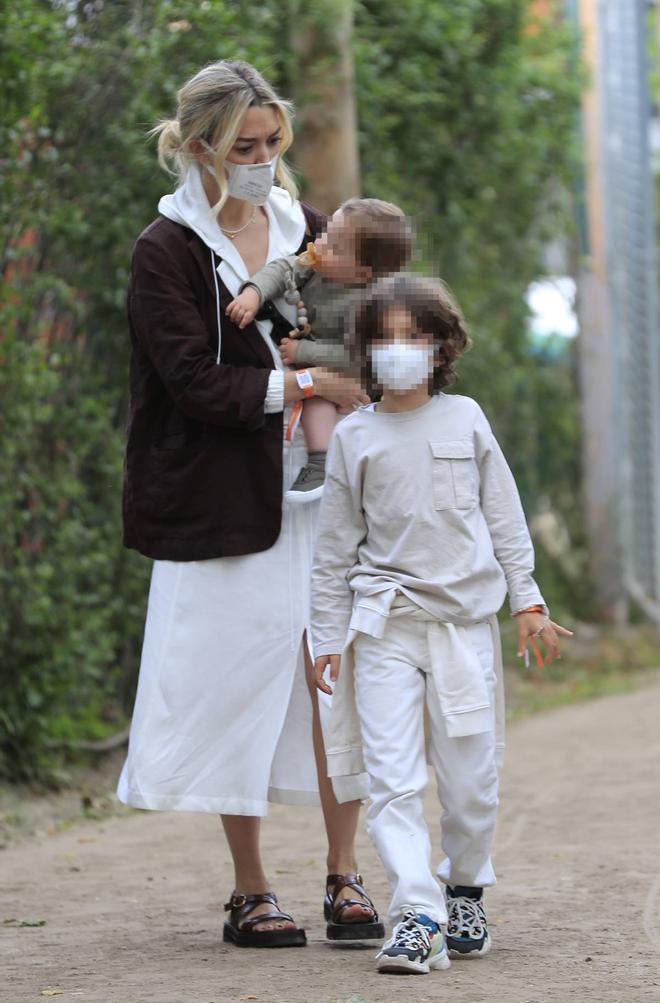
column 222, row 720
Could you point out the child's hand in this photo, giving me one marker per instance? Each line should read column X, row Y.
column 243, row 309
column 319, row 668
column 536, row 626
column 288, row 351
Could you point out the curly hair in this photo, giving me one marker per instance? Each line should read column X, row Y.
column 434, row 311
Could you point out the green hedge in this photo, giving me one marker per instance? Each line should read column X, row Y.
column 465, row 119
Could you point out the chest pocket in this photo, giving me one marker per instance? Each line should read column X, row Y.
column 455, row 474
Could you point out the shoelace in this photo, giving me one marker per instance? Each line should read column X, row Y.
column 466, row 917
column 410, row 933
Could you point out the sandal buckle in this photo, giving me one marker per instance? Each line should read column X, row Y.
column 237, row 901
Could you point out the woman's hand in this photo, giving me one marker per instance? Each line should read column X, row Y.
column 342, row 390
column 319, row 668
column 245, row 307
column 536, row 626
column 288, row 351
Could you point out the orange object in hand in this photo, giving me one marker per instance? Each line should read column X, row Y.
column 309, row 257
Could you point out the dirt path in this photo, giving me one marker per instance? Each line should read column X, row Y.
column 132, row 905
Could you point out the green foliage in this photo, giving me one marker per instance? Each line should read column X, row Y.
column 67, row 603
column 465, row 119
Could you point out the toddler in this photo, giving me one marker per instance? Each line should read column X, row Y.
column 365, row 239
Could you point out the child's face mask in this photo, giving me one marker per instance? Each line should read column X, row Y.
column 402, row 365
column 252, row 182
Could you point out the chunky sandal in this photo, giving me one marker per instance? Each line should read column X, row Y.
column 239, row 929
column 333, row 910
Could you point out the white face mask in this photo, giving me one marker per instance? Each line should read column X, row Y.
column 401, row 366
column 252, row 182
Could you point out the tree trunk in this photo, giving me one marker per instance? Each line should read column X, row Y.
column 326, row 148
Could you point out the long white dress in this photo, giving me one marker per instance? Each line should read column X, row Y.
column 222, row 720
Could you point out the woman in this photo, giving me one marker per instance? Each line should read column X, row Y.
column 222, row 723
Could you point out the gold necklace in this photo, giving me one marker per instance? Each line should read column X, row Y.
column 233, row 233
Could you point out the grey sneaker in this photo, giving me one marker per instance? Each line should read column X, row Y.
column 308, row 485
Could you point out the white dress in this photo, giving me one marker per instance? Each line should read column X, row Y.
column 222, row 720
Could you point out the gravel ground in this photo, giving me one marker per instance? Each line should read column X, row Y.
column 132, row 905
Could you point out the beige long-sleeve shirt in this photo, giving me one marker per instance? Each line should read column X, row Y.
column 421, row 502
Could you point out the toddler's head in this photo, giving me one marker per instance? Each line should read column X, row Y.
column 364, row 240
column 408, row 331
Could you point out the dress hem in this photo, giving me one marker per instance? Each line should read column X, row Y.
column 214, row 806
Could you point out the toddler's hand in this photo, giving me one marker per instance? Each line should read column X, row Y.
column 243, row 309
column 319, row 668
column 288, row 351
column 536, row 626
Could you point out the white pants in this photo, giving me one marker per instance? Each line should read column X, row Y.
column 392, row 686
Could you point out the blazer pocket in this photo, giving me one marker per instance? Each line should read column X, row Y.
column 455, row 474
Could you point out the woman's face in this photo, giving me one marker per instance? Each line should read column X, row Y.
column 259, row 137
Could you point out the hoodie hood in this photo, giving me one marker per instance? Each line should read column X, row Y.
column 189, row 206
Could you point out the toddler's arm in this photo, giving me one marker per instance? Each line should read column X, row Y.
column 245, row 307
column 330, row 354
column 266, row 284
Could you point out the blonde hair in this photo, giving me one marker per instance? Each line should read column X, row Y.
column 211, row 107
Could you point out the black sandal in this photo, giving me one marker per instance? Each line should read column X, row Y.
column 333, row 910
column 239, row 929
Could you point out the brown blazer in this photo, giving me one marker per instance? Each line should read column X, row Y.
column 203, row 469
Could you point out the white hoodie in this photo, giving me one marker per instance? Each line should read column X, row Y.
column 189, row 206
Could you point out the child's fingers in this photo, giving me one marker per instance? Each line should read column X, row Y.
column 537, row 651
column 334, row 667
column 551, row 642
column 558, row 629
column 319, row 668
column 523, row 635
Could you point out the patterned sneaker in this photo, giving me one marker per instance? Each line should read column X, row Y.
column 467, row 930
column 308, row 485
column 416, row 945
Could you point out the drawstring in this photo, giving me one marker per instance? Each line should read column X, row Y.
column 217, row 306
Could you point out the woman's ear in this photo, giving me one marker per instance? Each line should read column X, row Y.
column 199, row 150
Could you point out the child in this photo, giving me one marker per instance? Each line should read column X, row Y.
column 365, row 239
column 421, row 535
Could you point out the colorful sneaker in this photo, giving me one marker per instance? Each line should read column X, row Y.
column 416, row 945
column 467, row 930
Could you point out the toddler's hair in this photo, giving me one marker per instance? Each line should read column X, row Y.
column 384, row 237
column 434, row 312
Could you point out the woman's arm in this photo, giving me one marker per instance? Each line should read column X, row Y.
column 341, row 390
